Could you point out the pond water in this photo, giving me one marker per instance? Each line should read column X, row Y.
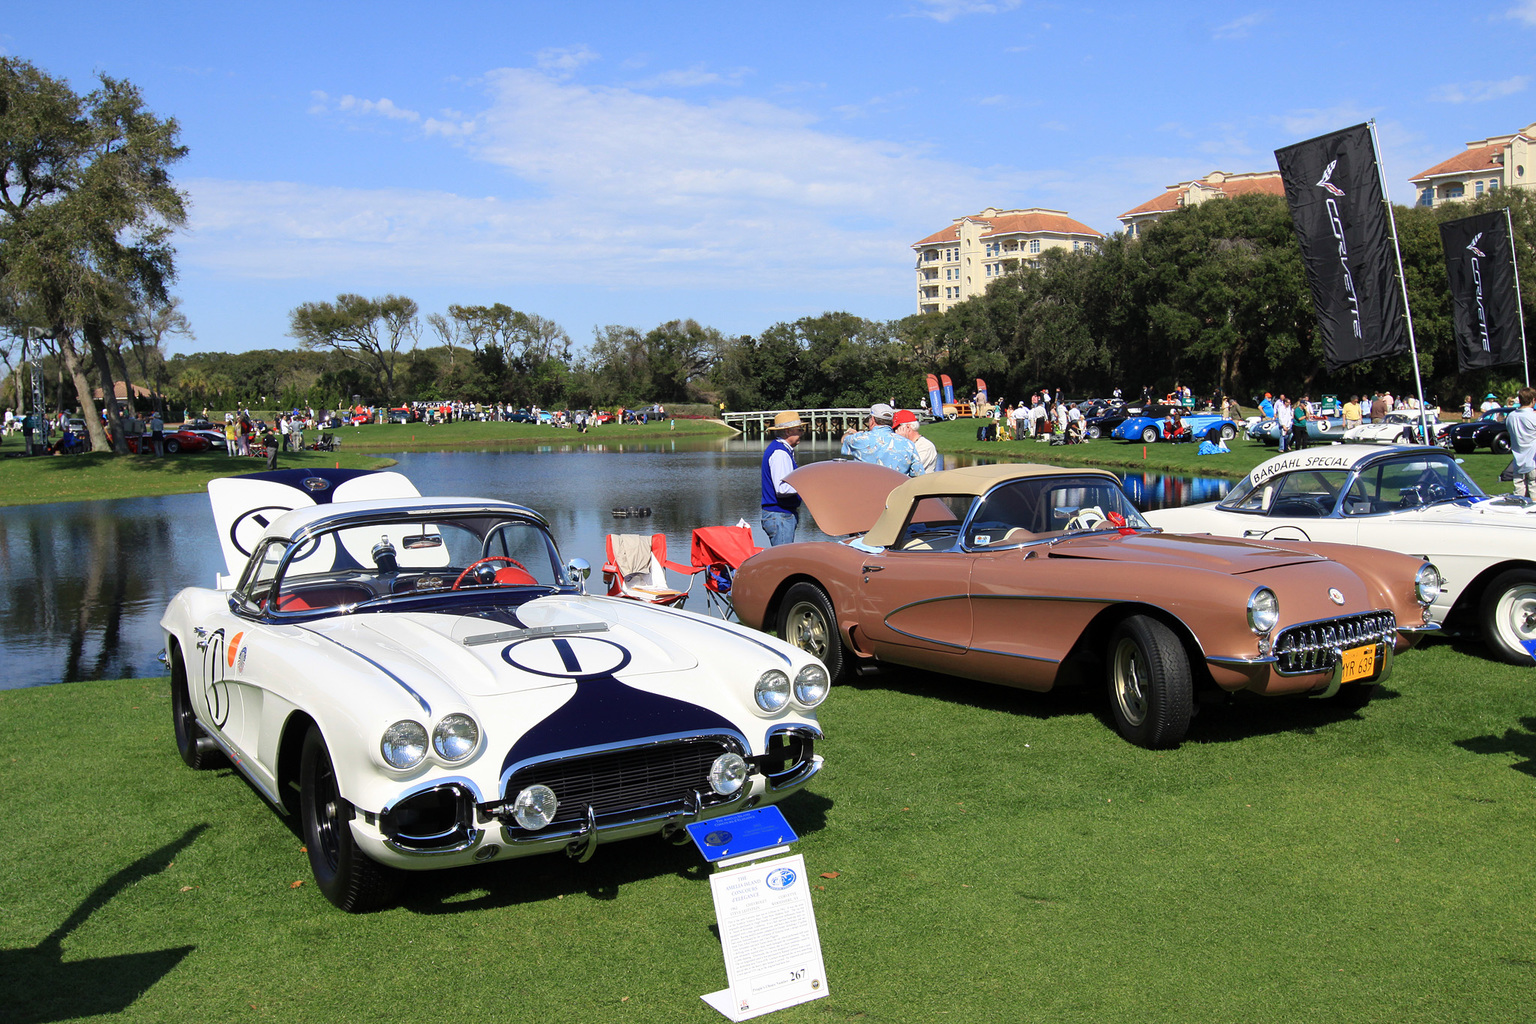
column 85, row 583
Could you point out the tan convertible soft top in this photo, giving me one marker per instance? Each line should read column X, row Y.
column 856, row 497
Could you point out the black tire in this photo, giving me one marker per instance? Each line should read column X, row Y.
column 192, row 743
column 344, row 873
column 1507, row 615
column 1151, row 694
column 172, row 446
column 1463, row 446
column 1148, row 435
column 806, row 620
column 1406, row 437
column 1228, row 432
column 1499, row 445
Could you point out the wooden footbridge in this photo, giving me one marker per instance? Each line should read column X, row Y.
column 819, row 422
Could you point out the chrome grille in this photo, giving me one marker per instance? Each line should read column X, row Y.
column 631, row 782
column 1315, row 646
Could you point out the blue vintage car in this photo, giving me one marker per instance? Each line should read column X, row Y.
column 1319, row 431
column 1148, row 429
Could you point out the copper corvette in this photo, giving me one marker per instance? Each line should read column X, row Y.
column 1036, row 576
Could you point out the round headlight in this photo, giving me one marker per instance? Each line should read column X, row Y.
column 772, row 690
column 1263, row 610
column 455, row 737
column 404, row 744
column 535, row 807
column 811, row 685
column 1427, row 583
column 727, row 774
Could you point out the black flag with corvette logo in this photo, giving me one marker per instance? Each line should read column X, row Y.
column 1481, row 266
column 1334, row 190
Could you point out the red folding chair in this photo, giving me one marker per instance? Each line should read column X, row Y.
column 636, row 569
column 718, row 552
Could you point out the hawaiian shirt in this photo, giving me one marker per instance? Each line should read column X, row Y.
column 885, row 447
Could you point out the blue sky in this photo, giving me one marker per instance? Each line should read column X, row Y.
column 739, row 163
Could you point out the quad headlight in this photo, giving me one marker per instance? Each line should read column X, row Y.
column 404, row 744
column 1427, row 584
column 772, row 690
column 1263, row 610
column 455, row 737
column 811, row 685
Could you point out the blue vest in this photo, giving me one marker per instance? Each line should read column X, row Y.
column 772, row 500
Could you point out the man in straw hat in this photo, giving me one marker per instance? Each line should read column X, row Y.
column 781, row 505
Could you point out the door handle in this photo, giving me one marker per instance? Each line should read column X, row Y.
column 874, row 568
column 202, row 634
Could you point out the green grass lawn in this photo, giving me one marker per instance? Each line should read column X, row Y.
column 998, row 856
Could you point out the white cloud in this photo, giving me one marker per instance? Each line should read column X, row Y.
column 563, row 62
column 1241, row 28
column 1478, row 92
column 1524, row 11
column 691, row 78
column 1307, row 124
column 323, row 104
column 614, row 185
column 949, row 10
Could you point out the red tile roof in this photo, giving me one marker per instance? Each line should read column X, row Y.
column 1262, row 182
column 1014, row 223
column 1470, row 161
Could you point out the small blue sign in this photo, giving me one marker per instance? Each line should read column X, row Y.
column 736, row 835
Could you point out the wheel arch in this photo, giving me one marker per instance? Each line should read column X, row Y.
column 1093, row 643
column 776, row 601
column 290, row 749
column 1465, row 611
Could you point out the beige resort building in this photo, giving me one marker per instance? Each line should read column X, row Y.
column 1216, row 185
column 1486, row 165
column 959, row 262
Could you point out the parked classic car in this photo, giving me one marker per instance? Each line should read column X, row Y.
column 1489, row 432
column 172, row 440
column 424, row 684
column 1148, row 429
column 1319, row 431
column 1036, row 576
column 1411, row 499
column 1400, row 427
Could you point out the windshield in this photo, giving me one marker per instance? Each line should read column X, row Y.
column 1022, row 512
column 386, row 559
column 1404, row 481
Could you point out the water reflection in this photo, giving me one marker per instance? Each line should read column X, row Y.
column 84, row 583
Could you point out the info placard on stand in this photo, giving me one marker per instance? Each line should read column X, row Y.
column 767, row 925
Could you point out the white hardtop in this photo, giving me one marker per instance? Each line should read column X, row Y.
column 1334, row 456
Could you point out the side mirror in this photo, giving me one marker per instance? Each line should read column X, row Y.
column 579, row 569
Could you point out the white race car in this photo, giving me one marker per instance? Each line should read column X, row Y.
column 425, row 684
column 1401, row 427
column 1416, row 500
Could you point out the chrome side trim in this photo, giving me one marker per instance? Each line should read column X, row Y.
column 426, row 708
column 1253, row 662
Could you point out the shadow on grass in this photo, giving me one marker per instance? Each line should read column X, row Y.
column 41, row 986
column 1220, row 718
column 510, row 883
column 1521, row 744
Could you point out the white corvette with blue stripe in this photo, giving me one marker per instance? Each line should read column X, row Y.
column 425, row 683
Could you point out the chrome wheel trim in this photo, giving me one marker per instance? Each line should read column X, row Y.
column 1515, row 616
column 1131, row 683
column 808, row 629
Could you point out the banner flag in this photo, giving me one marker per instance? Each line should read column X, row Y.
column 949, row 388
column 1480, row 263
column 1333, row 187
column 935, row 404
column 981, row 391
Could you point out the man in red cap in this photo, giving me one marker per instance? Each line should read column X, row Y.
column 905, row 424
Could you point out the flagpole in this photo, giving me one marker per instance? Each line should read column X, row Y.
column 1514, row 264
column 1413, row 348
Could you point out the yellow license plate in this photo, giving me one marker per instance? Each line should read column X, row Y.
column 1359, row 663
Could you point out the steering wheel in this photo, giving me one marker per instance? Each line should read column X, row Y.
column 488, row 558
column 1086, row 518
